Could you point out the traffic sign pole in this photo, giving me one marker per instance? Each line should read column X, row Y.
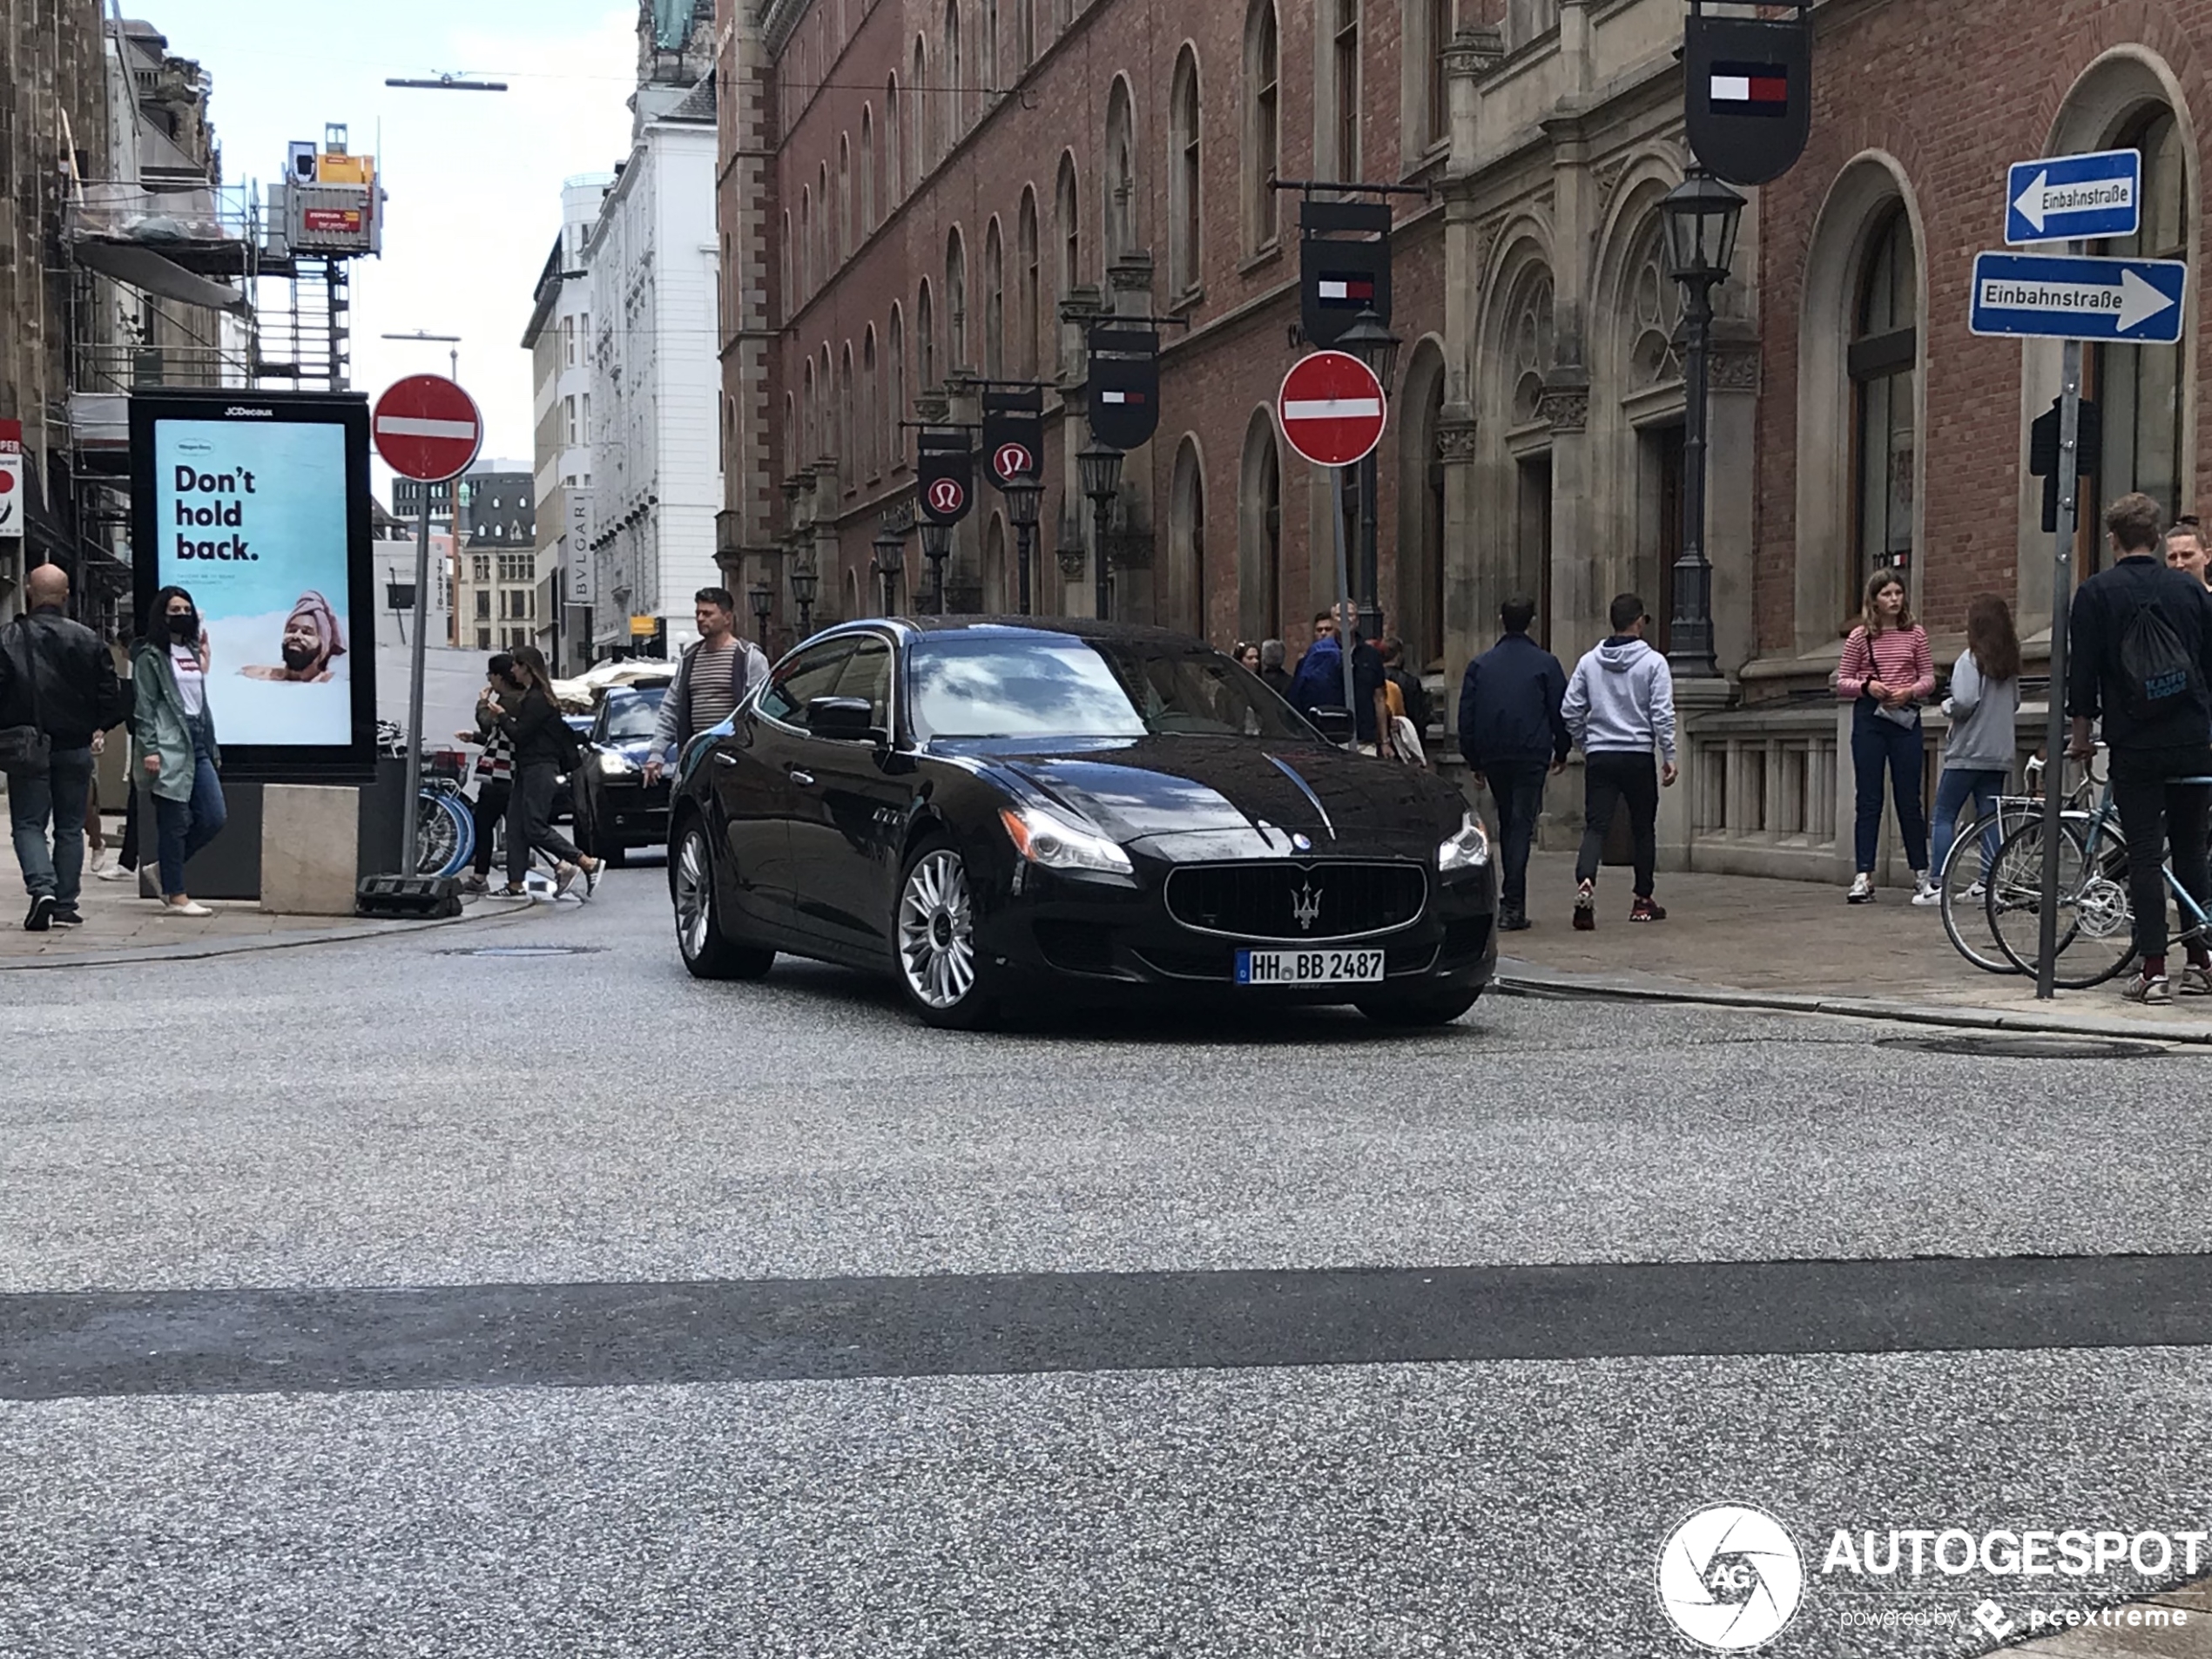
column 2046, row 954
column 1345, row 611
column 410, row 806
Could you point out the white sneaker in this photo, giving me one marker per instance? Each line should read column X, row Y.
column 115, row 872
column 1925, row 892
column 1862, row 889
column 190, row 907
column 97, row 859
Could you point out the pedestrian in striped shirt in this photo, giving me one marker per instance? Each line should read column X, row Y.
column 1887, row 673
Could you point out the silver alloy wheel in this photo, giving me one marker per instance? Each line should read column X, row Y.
column 937, row 930
column 694, row 910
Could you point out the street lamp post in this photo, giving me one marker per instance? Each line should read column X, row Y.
column 1100, row 470
column 803, row 579
column 1701, row 215
column 1370, row 340
column 936, row 547
column 1023, row 498
column 764, row 601
column 890, row 562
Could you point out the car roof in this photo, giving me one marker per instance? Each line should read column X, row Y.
column 1014, row 627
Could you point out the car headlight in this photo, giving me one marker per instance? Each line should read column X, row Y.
column 613, row 765
column 1057, row 843
column 1468, row 850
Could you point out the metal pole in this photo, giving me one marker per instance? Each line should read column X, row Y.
column 1102, row 576
column 1370, row 555
column 1022, row 555
column 1343, row 609
column 1691, row 648
column 2046, row 954
column 409, row 831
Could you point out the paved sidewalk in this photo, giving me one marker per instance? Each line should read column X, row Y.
column 120, row 928
column 1797, row 944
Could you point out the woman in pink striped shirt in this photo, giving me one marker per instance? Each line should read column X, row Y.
column 1887, row 671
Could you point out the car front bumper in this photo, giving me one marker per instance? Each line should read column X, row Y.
column 631, row 811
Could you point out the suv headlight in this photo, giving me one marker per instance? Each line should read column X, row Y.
column 1057, row 843
column 1468, row 850
column 614, row 764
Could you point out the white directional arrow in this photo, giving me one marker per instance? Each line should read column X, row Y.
column 2030, row 204
column 2139, row 300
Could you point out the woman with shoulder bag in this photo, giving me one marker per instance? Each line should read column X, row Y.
column 1984, row 710
column 1887, row 673
column 173, row 752
column 542, row 743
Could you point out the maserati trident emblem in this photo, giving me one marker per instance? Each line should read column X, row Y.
column 1306, row 906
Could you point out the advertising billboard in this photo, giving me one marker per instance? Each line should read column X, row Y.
column 257, row 504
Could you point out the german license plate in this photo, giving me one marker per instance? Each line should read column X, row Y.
column 1308, row 967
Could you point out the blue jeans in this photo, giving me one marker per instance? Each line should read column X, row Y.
column 58, row 794
column 1878, row 745
column 187, row 825
column 1954, row 789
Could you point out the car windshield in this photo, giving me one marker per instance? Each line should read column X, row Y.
column 1044, row 685
column 631, row 718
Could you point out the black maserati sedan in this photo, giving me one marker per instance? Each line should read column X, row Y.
column 1013, row 812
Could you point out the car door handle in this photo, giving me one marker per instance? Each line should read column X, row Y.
column 723, row 758
column 804, row 780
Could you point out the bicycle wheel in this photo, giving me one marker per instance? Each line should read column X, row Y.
column 443, row 834
column 1964, row 879
column 2096, row 930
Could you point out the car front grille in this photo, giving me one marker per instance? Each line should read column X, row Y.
column 1297, row 901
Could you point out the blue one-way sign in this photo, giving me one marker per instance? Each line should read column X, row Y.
column 2054, row 297
column 2063, row 197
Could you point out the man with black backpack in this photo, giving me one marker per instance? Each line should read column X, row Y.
column 2140, row 647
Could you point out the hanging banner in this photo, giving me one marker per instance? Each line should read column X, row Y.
column 579, row 548
column 1123, row 387
column 1013, row 435
column 1344, row 266
column 11, row 497
column 1747, row 86
column 944, row 476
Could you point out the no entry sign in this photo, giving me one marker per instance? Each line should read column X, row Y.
column 425, row 427
column 1331, row 409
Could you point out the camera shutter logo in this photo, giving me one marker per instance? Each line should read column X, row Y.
column 1730, row 1578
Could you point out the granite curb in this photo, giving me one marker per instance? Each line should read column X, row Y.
column 198, row 950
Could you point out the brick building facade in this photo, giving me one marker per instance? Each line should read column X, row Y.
column 935, row 191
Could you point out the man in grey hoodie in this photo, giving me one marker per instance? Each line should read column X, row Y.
column 1620, row 706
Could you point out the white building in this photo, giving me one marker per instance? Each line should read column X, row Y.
column 559, row 341
column 655, row 383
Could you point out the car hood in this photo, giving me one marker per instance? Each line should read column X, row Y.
column 1157, row 787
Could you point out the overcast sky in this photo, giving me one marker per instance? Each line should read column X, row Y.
column 474, row 178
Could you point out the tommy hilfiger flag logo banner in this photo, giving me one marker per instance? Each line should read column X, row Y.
column 1747, row 85
column 1749, row 89
column 1343, row 289
column 1123, row 384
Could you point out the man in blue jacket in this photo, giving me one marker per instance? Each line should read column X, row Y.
column 1511, row 732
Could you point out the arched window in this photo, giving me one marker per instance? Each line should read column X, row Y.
column 871, row 386
column 894, row 407
column 925, row 339
column 1025, row 253
column 791, row 436
column 994, row 302
column 1121, row 172
column 811, row 433
column 1531, row 347
column 956, row 302
column 2141, row 388
column 894, row 182
column 844, row 197
column 1066, row 209
column 805, row 241
column 1187, row 534
column 1440, row 21
column 825, row 224
column 1885, row 348
column 1654, row 317
column 920, row 98
column 1259, row 532
column 868, row 168
column 1344, row 87
column 1263, row 122
column 790, row 294
column 825, row 442
column 988, row 52
column 1183, row 245
column 848, row 459
column 1025, row 33
column 953, row 104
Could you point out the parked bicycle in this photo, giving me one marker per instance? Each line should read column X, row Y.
column 2096, row 921
column 1964, row 879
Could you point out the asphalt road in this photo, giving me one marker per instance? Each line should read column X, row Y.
column 392, row 1299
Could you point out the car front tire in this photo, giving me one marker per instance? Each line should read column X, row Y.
column 933, row 934
column 708, row 952
column 1414, row 1009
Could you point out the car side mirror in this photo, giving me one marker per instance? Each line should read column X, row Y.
column 1336, row 725
column 847, row 719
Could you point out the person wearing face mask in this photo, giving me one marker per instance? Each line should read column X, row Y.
column 173, row 753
